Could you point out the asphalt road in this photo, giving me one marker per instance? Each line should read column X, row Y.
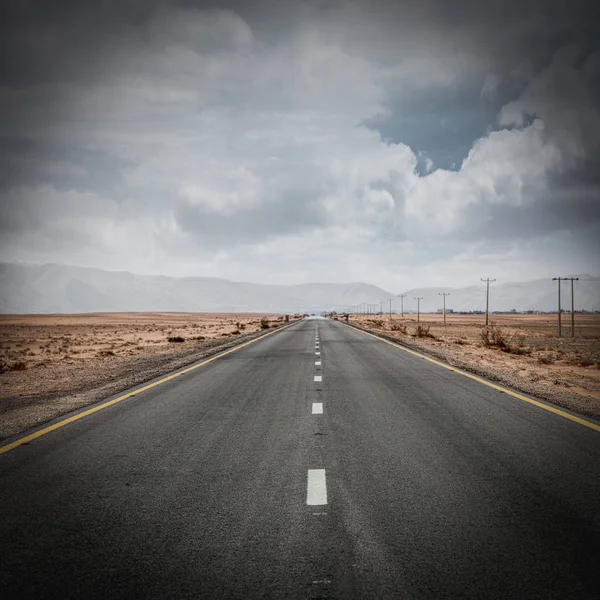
column 414, row 482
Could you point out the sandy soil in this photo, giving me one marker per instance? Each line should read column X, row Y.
column 52, row 364
column 564, row 371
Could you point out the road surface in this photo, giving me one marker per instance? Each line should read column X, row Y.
column 263, row 474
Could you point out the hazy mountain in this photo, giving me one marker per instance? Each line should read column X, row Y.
column 62, row 289
column 540, row 294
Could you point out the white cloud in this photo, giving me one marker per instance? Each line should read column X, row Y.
column 248, row 158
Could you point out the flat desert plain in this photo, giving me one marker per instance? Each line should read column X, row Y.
column 52, row 364
column 521, row 351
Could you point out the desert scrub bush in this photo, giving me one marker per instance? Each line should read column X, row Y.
column 545, row 360
column 492, row 336
column 17, row 366
column 376, row 322
column 398, row 327
column 264, row 323
column 175, row 338
column 199, row 338
column 236, row 332
column 423, row 331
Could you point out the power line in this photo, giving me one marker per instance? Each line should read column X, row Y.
column 444, row 294
column 401, row 296
column 571, row 279
column 487, row 298
column 419, row 307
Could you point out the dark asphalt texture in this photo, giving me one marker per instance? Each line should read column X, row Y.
column 438, row 486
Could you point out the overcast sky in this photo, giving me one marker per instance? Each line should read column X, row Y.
column 399, row 143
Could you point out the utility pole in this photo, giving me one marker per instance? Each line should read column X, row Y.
column 571, row 279
column 444, row 294
column 418, row 307
column 390, row 308
column 572, row 305
column 381, row 306
column 401, row 296
column 559, row 311
column 487, row 298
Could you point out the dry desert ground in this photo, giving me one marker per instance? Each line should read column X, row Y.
column 522, row 351
column 52, row 364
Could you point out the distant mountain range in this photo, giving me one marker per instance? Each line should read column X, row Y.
column 537, row 295
column 55, row 288
column 63, row 289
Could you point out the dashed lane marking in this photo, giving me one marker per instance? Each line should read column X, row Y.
column 316, row 487
column 317, row 408
column 318, row 378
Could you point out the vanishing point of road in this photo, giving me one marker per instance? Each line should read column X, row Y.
column 316, row 462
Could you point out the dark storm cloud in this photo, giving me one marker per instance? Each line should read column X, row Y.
column 30, row 162
column 292, row 212
column 114, row 110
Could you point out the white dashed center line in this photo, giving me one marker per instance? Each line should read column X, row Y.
column 316, row 487
column 317, row 354
column 317, row 363
column 318, row 378
column 317, row 408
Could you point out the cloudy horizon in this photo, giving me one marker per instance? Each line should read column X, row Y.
column 401, row 144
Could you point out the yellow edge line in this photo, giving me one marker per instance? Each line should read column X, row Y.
column 551, row 409
column 90, row 411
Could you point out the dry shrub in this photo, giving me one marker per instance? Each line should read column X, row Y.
column 493, row 336
column 376, row 322
column 398, row 327
column 586, row 362
column 422, row 331
column 545, row 360
column 176, row 338
column 236, row 332
column 17, row 366
column 264, row 323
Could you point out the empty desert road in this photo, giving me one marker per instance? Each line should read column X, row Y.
column 317, row 462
